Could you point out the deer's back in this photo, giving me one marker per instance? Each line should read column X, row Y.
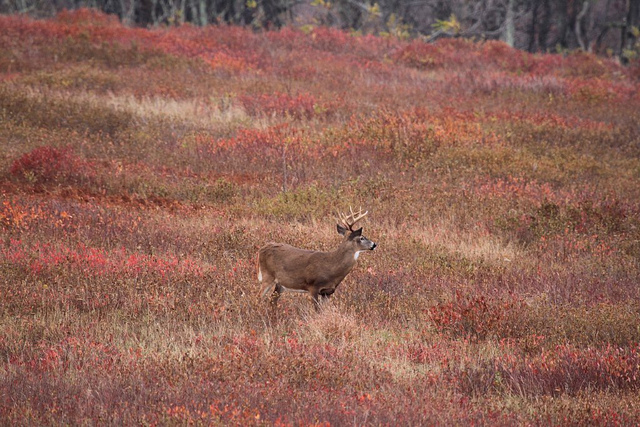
column 282, row 253
column 284, row 261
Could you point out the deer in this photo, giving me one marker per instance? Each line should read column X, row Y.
column 282, row 267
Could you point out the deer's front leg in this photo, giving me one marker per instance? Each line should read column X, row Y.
column 275, row 295
column 314, row 295
column 325, row 294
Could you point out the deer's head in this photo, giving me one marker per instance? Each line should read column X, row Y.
column 354, row 238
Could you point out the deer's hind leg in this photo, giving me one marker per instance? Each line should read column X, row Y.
column 266, row 287
column 275, row 295
column 267, row 282
column 317, row 299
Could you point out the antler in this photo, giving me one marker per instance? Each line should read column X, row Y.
column 350, row 220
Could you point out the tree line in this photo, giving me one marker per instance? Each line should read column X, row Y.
column 601, row 26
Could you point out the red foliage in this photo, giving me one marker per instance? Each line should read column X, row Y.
column 299, row 107
column 473, row 317
column 518, row 188
column 230, row 48
column 421, row 55
column 52, row 165
column 596, row 90
column 331, row 39
column 255, row 141
column 571, row 370
column 88, row 17
column 460, row 53
column 494, row 55
column 43, row 258
column 578, row 64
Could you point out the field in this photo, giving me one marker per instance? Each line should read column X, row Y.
column 141, row 170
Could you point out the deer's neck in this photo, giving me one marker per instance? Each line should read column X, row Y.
column 343, row 257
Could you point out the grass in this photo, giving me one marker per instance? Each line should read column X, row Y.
column 141, row 170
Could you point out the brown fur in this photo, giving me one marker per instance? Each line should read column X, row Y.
column 284, row 267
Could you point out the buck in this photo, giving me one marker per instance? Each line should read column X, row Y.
column 282, row 267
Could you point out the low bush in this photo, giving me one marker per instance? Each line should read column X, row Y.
column 49, row 165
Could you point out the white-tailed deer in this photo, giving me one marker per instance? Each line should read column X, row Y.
column 282, row 267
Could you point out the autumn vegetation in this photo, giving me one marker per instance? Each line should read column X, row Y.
column 140, row 171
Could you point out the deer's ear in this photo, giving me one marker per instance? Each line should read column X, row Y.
column 356, row 233
column 341, row 230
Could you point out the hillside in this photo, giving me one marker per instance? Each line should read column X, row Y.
column 141, row 170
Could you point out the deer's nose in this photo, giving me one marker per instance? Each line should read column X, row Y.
column 373, row 246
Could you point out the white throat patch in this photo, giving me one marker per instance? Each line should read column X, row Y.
column 356, row 255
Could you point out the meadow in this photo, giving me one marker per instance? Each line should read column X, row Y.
column 142, row 169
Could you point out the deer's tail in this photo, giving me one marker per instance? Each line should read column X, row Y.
column 258, row 270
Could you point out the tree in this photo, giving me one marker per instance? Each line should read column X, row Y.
column 509, row 24
column 630, row 31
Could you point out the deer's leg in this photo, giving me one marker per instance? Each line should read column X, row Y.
column 325, row 294
column 273, row 300
column 267, row 283
column 275, row 295
column 315, row 296
column 266, row 287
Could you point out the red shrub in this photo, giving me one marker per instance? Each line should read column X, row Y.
column 86, row 16
column 571, row 370
column 506, row 57
column 301, row 106
column 332, row 39
column 474, row 317
column 52, row 165
column 420, row 55
column 446, row 53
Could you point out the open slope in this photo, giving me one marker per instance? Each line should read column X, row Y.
column 140, row 171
